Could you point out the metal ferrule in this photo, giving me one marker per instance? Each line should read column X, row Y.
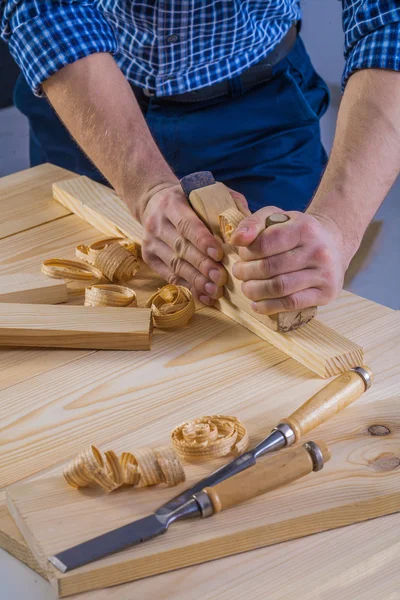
column 365, row 376
column 316, row 455
column 205, row 504
column 287, row 433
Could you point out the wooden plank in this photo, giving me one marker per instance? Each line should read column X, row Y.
column 64, row 326
column 26, row 199
column 29, row 288
column 316, row 346
column 12, row 541
column 98, row 205
column 359, row 483
column 348, row 312
column 280, row 389
column 356, row 562
column 331, row 354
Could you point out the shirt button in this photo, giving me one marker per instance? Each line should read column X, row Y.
column 171, row 39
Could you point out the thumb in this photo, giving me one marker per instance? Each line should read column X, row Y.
column 252, row 226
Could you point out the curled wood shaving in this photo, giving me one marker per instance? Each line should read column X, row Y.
column 210, row 437
column 109, row 295
column 228, row 222
column 70, row 269
column 116, row 262
column 172, row 306
column 147, row 466
column 91, row 252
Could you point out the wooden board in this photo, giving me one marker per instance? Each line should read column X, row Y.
column 98, row 205
column 12, row 541
column 318, row 347
column 344, row 559
column 26, row 199
column 331, row 353
column 359, row 483
column 64, row 326
column 32, row 288
column 359, row 562
column 348, row 313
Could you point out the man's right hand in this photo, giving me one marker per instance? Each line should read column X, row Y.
column 179, row 247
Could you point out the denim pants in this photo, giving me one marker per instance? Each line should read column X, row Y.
column 264, row 142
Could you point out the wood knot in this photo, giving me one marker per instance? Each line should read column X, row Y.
column 379, row 430
column 386, row 462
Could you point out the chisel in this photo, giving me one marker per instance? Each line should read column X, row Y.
column 331, row 399
column 281, row 469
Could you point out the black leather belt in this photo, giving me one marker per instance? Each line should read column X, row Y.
column 253, row 76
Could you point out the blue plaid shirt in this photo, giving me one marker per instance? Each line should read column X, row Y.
column 174, row 46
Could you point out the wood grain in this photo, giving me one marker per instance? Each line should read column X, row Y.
column 280, row 469
column 26, row 199
column 316, row 346
column 29, row 288
column 64, row 326
column 98, row 205
column 329, row 355
column 359, row 483
column 12, row 541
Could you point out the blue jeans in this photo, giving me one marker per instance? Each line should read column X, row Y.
column 264, row 142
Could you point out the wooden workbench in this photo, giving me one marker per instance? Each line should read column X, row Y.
column 49, row 398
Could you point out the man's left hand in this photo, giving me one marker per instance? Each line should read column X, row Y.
column 291, row 265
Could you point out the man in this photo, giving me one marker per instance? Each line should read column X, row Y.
column 152, row 91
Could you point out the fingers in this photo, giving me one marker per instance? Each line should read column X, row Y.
column 252, row 226
column 155, row 250
column 191, row 228
column 264, row 268
column 185, row 249
column 283, row 285
column 297, row 301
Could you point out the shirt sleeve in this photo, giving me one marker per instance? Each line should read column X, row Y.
column 46, row 35
column 372, row 35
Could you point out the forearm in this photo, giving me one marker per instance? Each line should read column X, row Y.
column 98, row 107
column 365, row 157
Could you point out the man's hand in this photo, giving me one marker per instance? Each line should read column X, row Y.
column 289, row 266
column 179, row 246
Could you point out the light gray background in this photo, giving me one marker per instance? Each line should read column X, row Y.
column 377, row 280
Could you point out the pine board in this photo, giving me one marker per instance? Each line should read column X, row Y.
column 98, row 205
column 346, row 557
column 26, row 199
column 359, row 562
column 322, row 350
column 32, row 288
column 360, row 482
column 64, row 326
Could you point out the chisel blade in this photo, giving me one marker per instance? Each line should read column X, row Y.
column 108, row 543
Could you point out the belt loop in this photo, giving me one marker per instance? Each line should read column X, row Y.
column 235, row 86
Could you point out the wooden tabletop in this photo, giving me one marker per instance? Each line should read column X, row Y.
column 51, row 399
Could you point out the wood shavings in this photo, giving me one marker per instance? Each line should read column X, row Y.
column 228, row 222
column 109, row 295
column 210, row 437
column 91, row 252
column 144, row 467
column 116, row 262
column 70, row 269
column 173, row 306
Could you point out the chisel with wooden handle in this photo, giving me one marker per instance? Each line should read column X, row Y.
column 326, row 403
column 279, row 470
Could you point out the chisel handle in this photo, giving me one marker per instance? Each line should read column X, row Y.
column 334, row 397
column 269, row 474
